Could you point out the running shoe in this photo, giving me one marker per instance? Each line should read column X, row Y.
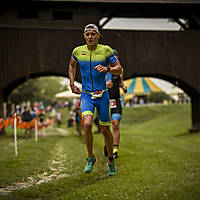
column 105, row 151
column 115, row 153
column 111, row 169
column 89, row 165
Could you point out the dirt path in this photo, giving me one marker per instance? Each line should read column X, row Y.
column 56, row 169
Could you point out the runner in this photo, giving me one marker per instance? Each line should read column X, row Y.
column 95, row 61
column 114, row 82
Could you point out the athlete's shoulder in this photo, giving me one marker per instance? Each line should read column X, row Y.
column 106, row 47
column 77, row 52
column 79, row 48
column 109, row 54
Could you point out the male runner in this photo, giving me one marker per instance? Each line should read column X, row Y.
column 95, row 61
column 114, row 82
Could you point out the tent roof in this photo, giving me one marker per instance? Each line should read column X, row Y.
column 141, row 85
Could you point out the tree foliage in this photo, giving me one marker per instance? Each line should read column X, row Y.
column 37, row 89
column 158, row 97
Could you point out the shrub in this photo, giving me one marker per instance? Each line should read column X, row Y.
column 158, row 97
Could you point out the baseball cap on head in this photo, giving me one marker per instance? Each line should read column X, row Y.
column 91, row 27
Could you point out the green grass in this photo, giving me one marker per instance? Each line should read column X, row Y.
column 158, row 159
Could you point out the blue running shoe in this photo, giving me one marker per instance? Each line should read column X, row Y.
column 89, row 165
column 111, row 169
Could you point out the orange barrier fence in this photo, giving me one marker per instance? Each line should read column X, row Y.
column 4, row 123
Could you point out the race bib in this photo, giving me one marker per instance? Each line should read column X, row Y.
column 113, row 103
column 96, row 95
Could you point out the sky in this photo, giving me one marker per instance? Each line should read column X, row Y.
column 140, row 24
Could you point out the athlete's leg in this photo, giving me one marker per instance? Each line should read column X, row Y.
column 108, row 137
column 116, row 117
column 103, row 109
column 88, row 134
column 116, row 133
column 89, row 143
column 87, row 109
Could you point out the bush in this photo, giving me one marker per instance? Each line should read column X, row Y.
column 158, row 97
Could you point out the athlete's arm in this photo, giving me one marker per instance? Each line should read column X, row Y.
column 115, row 68
column 108, row 79
column 72, row 72
column 122, row 84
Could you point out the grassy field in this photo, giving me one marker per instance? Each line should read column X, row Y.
column 158, row 159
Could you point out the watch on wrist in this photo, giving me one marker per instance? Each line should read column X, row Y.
column 108, row 68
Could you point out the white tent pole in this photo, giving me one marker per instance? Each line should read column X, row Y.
column 15, row 133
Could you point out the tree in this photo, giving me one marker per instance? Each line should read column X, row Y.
column 37, row 89
column 158, row 97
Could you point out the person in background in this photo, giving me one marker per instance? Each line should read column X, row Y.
column 58, row 118
column 27, row 117
column 114, row 82
column 97, row 124
column 78, row 118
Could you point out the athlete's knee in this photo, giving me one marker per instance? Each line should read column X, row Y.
column 115, row 124
column 105, row 129
column 87, row 125
column 88, row 122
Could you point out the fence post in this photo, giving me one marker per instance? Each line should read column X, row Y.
column 15, row 133
column 36, row 130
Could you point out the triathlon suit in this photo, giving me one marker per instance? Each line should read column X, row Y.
column 93, row 82
column 114, row 96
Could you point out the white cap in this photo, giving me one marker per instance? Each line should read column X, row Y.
column 91, row 27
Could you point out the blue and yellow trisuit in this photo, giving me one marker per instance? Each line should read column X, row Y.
column 94, row 81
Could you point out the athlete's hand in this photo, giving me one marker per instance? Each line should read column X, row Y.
column 109, row 84
column 75, row 89
column 101, row 68
column 124, row 88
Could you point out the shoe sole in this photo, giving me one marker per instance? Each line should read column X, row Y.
column 111, row 174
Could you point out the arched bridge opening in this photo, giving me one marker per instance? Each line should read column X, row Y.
column 8, row 89
column 187, row 88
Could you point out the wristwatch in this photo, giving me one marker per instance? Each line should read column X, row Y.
column 108, row 68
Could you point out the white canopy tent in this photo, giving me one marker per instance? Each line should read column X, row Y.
column 67, row 94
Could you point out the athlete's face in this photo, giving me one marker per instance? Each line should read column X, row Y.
column 91, row 38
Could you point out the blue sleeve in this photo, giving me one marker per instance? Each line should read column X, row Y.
column 108, row 76
column 110, row 56
column 74, row 57
column 112, row 59
column 75, row 54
